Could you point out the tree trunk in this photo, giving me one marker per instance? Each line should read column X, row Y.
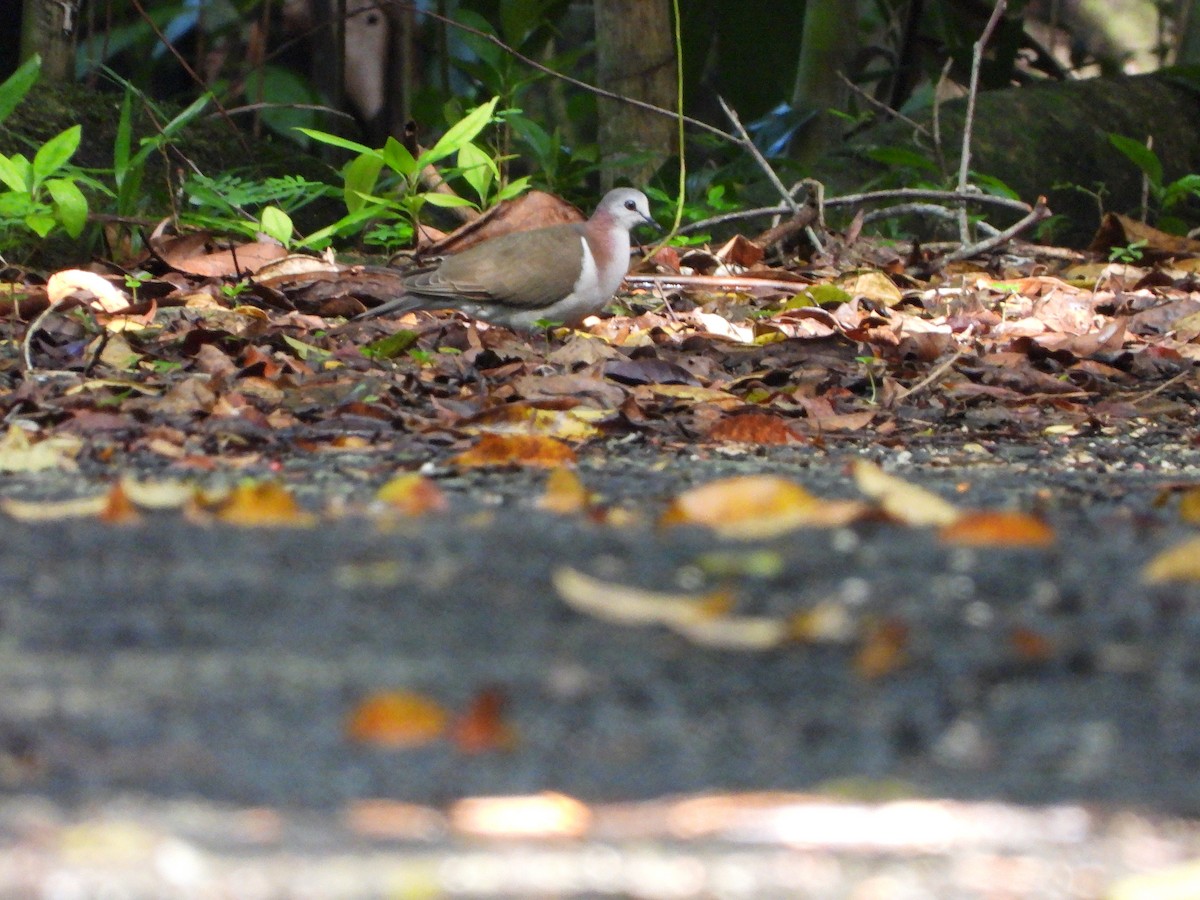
column 828, row 45
column 635, row 58
column 48, row 28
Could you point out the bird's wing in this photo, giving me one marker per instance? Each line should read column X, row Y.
column 529, row 269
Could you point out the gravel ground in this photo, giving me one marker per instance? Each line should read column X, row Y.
column 173, row 697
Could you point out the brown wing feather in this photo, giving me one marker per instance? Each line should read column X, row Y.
column 504, row 270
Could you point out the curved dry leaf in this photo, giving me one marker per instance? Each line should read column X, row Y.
column 263, row 505
column 697, row 617
column 757, row 506
column 412, row 494
column 1178, row 563
column 19, row 454
column 901, row 500
column 565, row 493
column 106, row 297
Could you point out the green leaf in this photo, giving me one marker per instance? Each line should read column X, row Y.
column 391, row 346
column 17, row 85
column 13, row 175
column 324, row 137
column 70, row 205
column 277, row 224
column 397, row 158
column 478, row 170
column 306, row 351
column 461, row 132
column 53, row 154
column 1140, row 155
column 361, row 175
column 445, row 201
column 513, row 189
column 40, row 224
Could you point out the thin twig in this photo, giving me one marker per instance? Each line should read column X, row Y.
column 922, row 209
column 929, row 379
column 869, row 197
column 1174, row 379
column 881, row 106
column 748, row 144
column 964, row 162
column 1040, row 211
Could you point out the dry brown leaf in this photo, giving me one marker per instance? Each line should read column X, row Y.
column 754, row 428
column 483, row 728
column 883, row 649
column 901, row 500
column 521, row 418
column 757, row 506
column 516, row 450
column 396, row 720
column 997, row 529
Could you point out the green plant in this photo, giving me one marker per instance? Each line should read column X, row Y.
column 1130, row 253
column 43, row 193
column 475, row 167
column 1168, row 196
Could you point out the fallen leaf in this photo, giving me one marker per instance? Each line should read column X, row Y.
column 698, row 617
column 882, row 650
column 20, row 454
column 901, row 500
column 540, row 815
column 412, row 494
column 1178, row 563
column 396, row 720
column 53, row 510
column 757, row 506
column 483, row 728
column 997, row 529
column 263, row 504
column 754, row 428
column 516, row 450
column 565, row 494
column 118, row 508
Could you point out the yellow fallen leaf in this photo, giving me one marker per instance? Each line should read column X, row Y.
column 20, row 454
column 263, row 505
column 757, row 506
column 1178, row 563
column 412, row 494
column 997, row 529
column 901, row 500
column 396, row 720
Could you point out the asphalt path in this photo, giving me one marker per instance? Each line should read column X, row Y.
column 191, row 684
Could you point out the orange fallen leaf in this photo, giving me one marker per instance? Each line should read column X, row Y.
column 263, row 505
column 757, row 506
column 1189, row 506
column 1030, row 645
column 118, row 508
column 565, row 494
column 412, row 494
column 997, row 529
column 483, row 727
column 396, row 720
column 754, row 428
column 516, row 450
column 883, row 649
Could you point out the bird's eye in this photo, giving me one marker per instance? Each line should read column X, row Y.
column 629, row 204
